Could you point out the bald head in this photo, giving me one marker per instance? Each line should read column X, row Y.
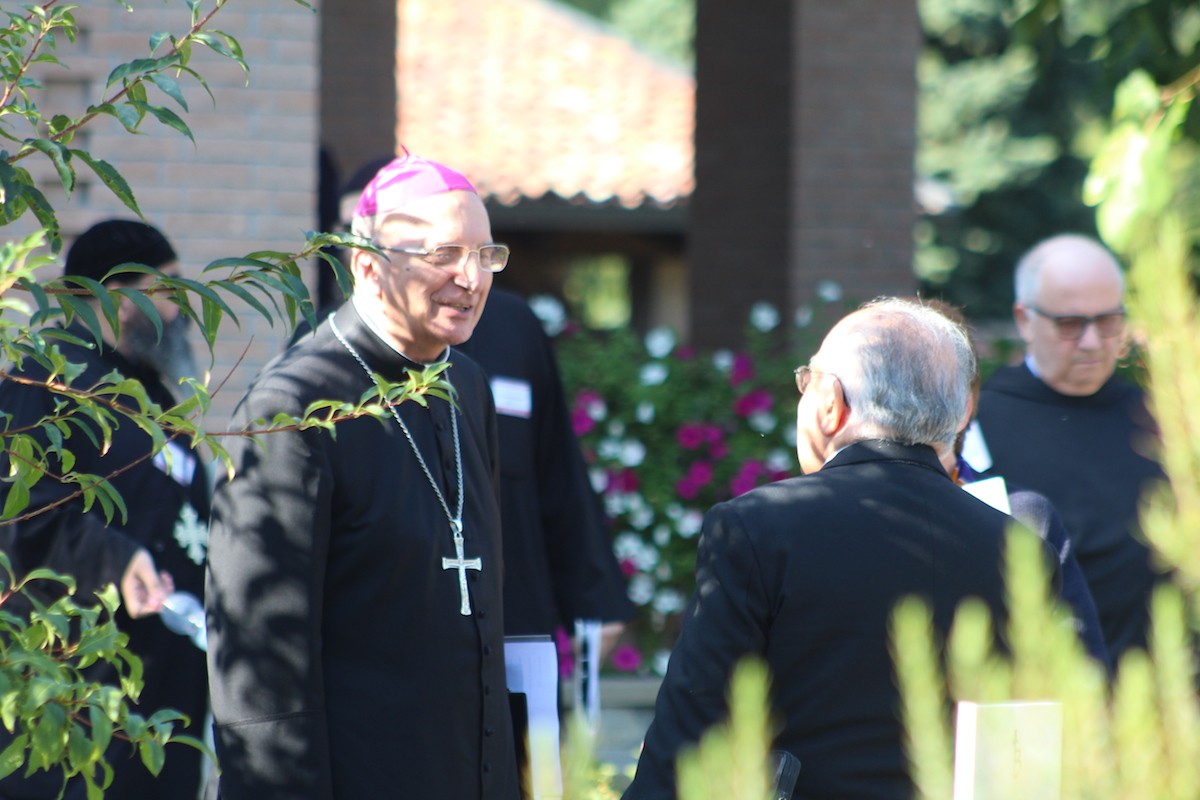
column 1069, row 259
column 1070, row 276
column 904, row 371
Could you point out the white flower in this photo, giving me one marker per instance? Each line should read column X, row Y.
column 779, row 460
column 609, row 448
column 789, row 436
column 723, row 360
column 660, row 342
column 641, row 518
column 689, row 524
column 596, row 409
column 660, row 661
column 633, row 453
column 803, row 317
column 829, row 291
column 598, row 477
column 662, row 535
column 762, row 422
column 550, row 312
column 653, row 374
column 668, row 601
column 626, row 546
column 764, row 317
column 645, row 412
column 641, row 589
column 616, row 428
column 674, row 511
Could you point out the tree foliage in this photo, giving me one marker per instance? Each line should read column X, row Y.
column 1139, row 737
column 57, row 717
column 1015, row 99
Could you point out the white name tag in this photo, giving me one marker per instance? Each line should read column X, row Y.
column 177, row 462
column 513, row 397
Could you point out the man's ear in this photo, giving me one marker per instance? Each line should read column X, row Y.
column 1023, row 319
column 364, row 266
column 834, row 411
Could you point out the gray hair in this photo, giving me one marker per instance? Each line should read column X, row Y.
column 1029, row 267
column 914, row 373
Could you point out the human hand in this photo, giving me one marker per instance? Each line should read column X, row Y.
column 142, row 588
column 610, row 632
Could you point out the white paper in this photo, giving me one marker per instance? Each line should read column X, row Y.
column 992, row 491
column 531, row 663
column 587, row 669
column 975, row 450
column 1008, row 750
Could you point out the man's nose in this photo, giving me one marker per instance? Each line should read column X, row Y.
column 1091, row 338
column 468, row 272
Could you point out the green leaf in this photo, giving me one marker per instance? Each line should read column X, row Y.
column 167, row 117
column 153, row 755
column 60, row 156
column 170, row 87
column 13, row 756
column 49, row 736
column 112, row 179
column 145, row 305
column 17, row 499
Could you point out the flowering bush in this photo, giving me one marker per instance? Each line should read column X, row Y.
column 668, row 432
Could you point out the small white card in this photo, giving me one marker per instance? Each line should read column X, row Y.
column 992, row 491
column 1008, row 750
column 513, row 397
column 975, row 450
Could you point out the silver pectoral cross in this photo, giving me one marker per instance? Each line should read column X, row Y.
column 462, row 564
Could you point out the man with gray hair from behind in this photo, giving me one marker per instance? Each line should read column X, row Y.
column 804, row 573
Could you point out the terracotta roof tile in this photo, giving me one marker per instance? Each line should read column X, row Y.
column 528, row 97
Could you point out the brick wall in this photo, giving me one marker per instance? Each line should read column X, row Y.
column 805, row 129
column 854, row 107
column 737, row 246
column 248, row 182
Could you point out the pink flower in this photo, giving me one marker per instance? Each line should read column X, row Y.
column 698, row 476
column 624, row 481
column 626, row 658
column 685, row 352
column 742, row 369
column 582, row 422
column 628, row 568
column 691, row 435
column 751, row 402
column 746, row 477
column 581, row 414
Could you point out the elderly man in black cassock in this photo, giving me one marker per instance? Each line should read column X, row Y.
column 1064, row 423
column 355, row 607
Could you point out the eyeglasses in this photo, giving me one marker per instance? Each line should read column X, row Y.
column 1071, row 327
column 804, row 377
column 492, row 257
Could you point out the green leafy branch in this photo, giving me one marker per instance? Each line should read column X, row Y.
column 55, row 715
column 32, row 39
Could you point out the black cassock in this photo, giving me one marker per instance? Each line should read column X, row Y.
column 340, row 664
column 168, row 501
column 1089, row 455
column 559, row 563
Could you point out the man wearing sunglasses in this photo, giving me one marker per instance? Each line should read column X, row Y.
column 1063, row 424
